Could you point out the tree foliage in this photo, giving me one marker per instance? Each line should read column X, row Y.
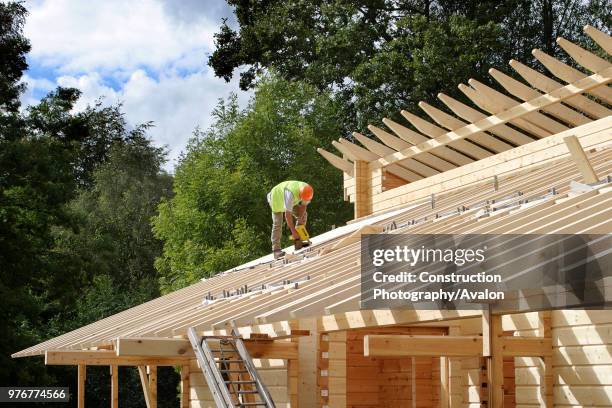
column 77, row 193
column 379, row 56
column 219, row 216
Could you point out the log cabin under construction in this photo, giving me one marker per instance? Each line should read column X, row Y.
column 531, row 157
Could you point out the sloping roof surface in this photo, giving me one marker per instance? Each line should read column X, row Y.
column 539, row 201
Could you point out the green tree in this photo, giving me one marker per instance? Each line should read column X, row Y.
column 112, row 249
column 219, row 217
column 378, row 56
column 13, row 48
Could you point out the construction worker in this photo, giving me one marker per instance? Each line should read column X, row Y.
column 287, row 199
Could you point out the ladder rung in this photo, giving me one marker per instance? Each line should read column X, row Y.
column 229, row 361
column 247, row 392
column 239, row 382
column 251, row 404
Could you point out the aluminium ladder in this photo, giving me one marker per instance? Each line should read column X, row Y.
column 229, row 371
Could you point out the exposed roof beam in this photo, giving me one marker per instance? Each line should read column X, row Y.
column 398, row 144
column 369, row 318
column 536, row 118
column 337, row 162
column 583, row 57
column 451, row 123
column 526, row 93
column 503, row 117
column 352, row 151
column 486, row 103
column 416, row 138
column 472, row 115
column 601, row 38
column 107, row 358
column 433, row 131
column 381, row 151
column 546, row 84
column 355, row 152
column 569, row 74
column 387, row 138
column 175, row 348
column 372, row 145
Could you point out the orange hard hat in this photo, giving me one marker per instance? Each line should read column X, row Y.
column 306, row 193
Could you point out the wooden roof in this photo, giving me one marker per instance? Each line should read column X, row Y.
column 483, row 177
column 497, row 122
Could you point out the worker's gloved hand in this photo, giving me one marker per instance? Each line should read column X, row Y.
column 298, row 244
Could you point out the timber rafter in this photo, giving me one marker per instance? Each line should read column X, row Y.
column 521, row 113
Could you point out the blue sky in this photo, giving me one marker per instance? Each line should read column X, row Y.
column 148, row 54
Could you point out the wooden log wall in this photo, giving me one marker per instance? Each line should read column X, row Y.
column 582, row 358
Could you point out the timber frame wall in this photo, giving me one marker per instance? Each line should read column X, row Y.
column 538, row 167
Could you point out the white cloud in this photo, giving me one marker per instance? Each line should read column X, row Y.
column 79, row 36
column 35, row 87
column 148, row 54
column 175, row 104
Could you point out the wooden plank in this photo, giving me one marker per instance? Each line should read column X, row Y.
column 387, row 138
column 583, row 57
column 381, row 150
column 396, row 143
column 569, row 74
column 515, row 346
column 581, row 160
column 368, row 318
column 354, row 237
column 576, row 395
column 81, row 374
column 185, row 385
column 546, row 84
column 601, row 38
column 421, row 345
column 152, row 373
column 308, row 391
column 495, row 364
column 507, row 115
column 153, row 346
column 114, row 372
column 415, row 138
column 363, row 195
column 547, row 149
column 490, row 105
column 582, row 355
column 142, row 348
column 357, row 153
column 144, row 381
column 452, row 123
column 433, row 131
column 72, row 357
column 337, row 162
column 538, row 119
column 377, row 148
column 526, row 93
column 444, row 382
column 472, row 115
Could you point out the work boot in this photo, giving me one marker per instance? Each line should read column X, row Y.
column 278, row 254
